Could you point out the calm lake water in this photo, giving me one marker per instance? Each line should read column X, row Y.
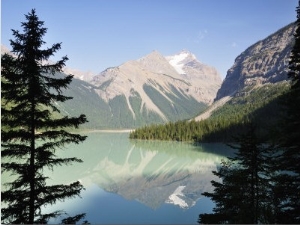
column 139, row 182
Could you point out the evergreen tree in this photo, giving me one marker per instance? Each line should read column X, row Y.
column 244, row 193
column 289, row 141
column 30, row 134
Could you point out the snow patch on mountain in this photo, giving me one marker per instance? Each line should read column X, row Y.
column 178, row 61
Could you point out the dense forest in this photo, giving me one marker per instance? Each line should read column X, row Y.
column 261, row 106
column 261, row 183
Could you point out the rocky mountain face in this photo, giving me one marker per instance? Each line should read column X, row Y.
column 156, row 89
column 82, row 75
column 205, row 78
column 264, row 62
column 152, row 89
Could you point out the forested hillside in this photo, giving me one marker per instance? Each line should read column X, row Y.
column 116, row 114
column 259, row 107
column 254, row 85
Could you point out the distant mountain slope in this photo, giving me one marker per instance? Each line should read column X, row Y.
column 140, row 92
column 82, row 75
column 204, row 79
column 254, row 84
column 215, row 106
column 251, row 92
column 264, row 62
column 150, row 90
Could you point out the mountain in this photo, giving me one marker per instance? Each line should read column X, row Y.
column 253, row 88
column 260, row 66
column 205, row 78
column 253, row 91
column 151, row 90
column 157, row 63
column 82, row 75
column 264, row 62
column 140, row 92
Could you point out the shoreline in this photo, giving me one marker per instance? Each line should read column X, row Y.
column 111, row 131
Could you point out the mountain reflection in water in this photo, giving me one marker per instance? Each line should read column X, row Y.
column 151, row 172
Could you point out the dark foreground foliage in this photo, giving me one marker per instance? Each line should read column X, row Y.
column 30, row 133
column 245, row 193
column 262, row 183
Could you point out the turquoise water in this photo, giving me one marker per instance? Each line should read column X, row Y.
column 138, row 182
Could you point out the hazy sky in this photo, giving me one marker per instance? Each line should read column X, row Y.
column 97, row 34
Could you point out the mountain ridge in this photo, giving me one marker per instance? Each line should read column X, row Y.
column 252, row 91
column 143, row 91
column 156, row 87
column 264, row 62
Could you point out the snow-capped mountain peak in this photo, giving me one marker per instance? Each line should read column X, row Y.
column 180, row 59
column 157, row 63
column 151, row 89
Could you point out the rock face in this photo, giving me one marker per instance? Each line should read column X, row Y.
column 205, row 79
column 194, row 78
column 82, row 75
column 152, row 89
column 264, row 62
column 157, row 88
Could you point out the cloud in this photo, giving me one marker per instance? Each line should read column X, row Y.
column 202, row 34
column 234, row 44
column 198, row 37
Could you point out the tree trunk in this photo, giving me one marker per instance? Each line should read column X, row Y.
column 32, row 167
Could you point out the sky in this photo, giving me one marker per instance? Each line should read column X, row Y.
column 97, row 34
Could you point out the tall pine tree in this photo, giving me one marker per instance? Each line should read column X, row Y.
column 244, row 194
column 30, row 134
column 288, row 179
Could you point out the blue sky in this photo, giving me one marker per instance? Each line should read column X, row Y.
column 97, row 34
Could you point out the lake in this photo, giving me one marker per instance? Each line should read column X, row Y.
column 139, row 182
